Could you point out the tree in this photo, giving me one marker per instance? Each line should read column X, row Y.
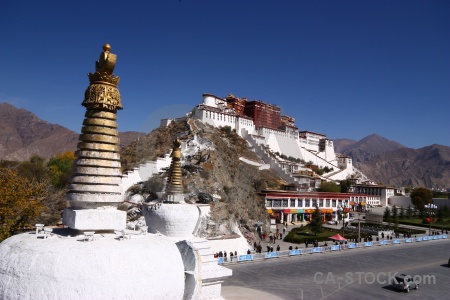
column 395, row 216
column 402, row 213
column 409, row 212
column 445, row 212
column 420, row 197
column 20, row 202
column 440, row 214
column 60, row 169
column 316, row 221
column 54, row 204
column 329, row 187
column 34, row 168
column 387, row 215
column 345, row 186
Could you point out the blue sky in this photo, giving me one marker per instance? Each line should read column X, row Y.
column 346, row 69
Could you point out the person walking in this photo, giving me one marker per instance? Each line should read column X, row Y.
column 278, row 248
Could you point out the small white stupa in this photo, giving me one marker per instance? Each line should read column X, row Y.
column 174, row 217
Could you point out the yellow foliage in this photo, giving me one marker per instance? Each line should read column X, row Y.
column 20, row 202
column 59, row 168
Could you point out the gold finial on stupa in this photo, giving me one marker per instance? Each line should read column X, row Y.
column 107, row 61
column 102, row 93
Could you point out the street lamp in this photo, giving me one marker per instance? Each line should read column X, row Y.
column 430, row 212
column 359, row 227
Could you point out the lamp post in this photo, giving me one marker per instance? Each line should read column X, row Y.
column 359, row 227
column 430, row 212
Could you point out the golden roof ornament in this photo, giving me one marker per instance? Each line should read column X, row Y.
column 107, row 61
column 102, row 93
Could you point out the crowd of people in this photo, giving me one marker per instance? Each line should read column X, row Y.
column 233, row 255
column 224, row 255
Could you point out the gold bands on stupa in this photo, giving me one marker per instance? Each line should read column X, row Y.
column 100, row 114
column 175, row 180
column 100, row 122
column 98, row 129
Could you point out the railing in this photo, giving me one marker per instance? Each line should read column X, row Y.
column 325, row 249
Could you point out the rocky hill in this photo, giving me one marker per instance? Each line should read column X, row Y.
column 390, row 163
column 23, row 134
column 216, row 172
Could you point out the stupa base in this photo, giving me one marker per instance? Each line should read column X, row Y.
column 176, row 198
column 95, row 219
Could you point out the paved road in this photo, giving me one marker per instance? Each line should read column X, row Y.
column 336, row 275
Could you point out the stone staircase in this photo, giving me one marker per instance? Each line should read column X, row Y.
column 202, row 273
column 267, row 158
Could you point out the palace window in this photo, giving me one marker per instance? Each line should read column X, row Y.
column 314, row 202
column 307, row 203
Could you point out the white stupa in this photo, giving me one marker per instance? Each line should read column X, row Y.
column 95, row 258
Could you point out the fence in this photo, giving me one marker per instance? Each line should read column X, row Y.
column 332, row 248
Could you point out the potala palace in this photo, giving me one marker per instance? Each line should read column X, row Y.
column 274, row 136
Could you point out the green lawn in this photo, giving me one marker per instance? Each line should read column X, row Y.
column 301, row 234
column 440, row 224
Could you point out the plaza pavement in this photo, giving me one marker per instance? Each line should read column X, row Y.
column 243, row 293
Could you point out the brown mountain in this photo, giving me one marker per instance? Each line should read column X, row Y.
column 390, row 163
column 369, row 146
column 23, row 134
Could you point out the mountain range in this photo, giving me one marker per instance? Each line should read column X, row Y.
column 390, row 163
column 23, row 134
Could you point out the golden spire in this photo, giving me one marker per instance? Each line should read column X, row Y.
column 97, row 179
column 175, row 179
